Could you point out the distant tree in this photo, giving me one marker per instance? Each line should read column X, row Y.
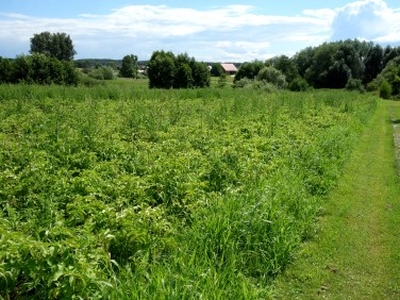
column 391, row 74
column 161, row 70
column 272, row 76
column 129, row 66
column 304, row 60
column 347, row 52
column 200, row 73
column 216, row 69
column 41, row 69
column 337, row 75
column 389, row 54
column 183, row 72
column 323, row 59
column 286, row 65
column 332, row 65
column 55, row 45
column 6, row 69
column 249, row 70
column 373, row 63
column 165, row 70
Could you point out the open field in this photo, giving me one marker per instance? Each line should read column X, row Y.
column 122, row 192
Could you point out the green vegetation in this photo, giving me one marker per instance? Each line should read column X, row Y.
column 129, row 66
column 123, row 192
column 55, row 45
column 356, row 252
column 167, row 70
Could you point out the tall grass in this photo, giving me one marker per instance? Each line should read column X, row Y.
column 124, row 192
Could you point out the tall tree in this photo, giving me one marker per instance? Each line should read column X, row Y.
column 161, row 70
column 55, row 45
column 373, row 63
column 389, row 54
column 347, row 52
column 183, row 72
column 129, row 66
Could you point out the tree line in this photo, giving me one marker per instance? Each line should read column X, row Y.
column 350, row 64
column 51, row 62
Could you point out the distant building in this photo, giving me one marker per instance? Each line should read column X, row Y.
column 229, row 69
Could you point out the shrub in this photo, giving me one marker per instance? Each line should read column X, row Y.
column 385, row 90
column 102, row 73
column 242, row 83
column 298, row 84
column 272, row 76
column 355, row 85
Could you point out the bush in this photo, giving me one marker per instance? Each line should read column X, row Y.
column 102, row 73
column 39, row 69
column 298, row 84
column 242, row 83
column 355, row 85
column 385, row 90
column 272, row 76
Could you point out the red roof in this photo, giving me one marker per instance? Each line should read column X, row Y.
column 229, row 67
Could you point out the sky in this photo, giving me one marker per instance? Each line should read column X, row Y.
column 213, row 31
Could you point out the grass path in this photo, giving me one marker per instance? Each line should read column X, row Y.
column 356, row 252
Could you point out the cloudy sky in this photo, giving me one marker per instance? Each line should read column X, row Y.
column 208, row 30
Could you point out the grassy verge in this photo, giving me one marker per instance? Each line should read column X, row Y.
column 356, row 253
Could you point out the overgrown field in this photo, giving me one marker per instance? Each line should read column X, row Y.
column 128, row 193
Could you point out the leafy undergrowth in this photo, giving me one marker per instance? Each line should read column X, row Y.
column 113, row 192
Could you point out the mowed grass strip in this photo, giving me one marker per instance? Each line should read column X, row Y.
column 356, row 252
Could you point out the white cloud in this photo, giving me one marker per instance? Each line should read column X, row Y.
column 367, row 20
column 234, row 32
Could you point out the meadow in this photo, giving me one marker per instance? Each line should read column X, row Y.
column 121, row 192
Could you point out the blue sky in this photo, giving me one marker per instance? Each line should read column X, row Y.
column 209, row 30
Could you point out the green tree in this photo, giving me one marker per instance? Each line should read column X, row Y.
column 323, row 59
column 272, row 76
column 5, row 70
column 200, row 73
column 183, row 72
column 41, row 69
column 389, row 54
column 55, row 45
column 373, row 63
column 129, row 66
column 161, row 70
column 249, row 70
column 216, row 69
column 304, row 60
column 165, row 70
column 286, row 65
column 337, row 75
column 348, row 53
column 391, row 74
